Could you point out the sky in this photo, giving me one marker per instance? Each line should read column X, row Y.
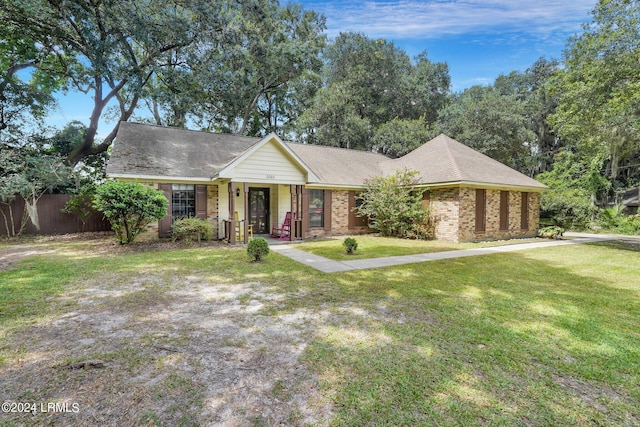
column 478, row 39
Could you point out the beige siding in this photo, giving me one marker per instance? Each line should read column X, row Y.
column 268, row 164
column 283, row 197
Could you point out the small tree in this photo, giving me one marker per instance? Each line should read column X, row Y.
column 129, row 206
column 27, row 171
column 393, row 205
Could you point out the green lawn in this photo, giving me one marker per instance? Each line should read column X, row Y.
column 378, row 247
column 540, row 337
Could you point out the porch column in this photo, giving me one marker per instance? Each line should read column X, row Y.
column 231, row 234
column 294, row 212
column 246, row 212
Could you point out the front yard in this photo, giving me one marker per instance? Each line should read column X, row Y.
column 200, row 336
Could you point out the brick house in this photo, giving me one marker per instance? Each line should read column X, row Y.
column 229, row 180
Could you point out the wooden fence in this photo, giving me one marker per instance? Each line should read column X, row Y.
column 51, row 218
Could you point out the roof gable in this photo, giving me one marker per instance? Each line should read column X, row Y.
column 269, row 160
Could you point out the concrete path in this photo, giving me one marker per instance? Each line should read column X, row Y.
column 330, row 266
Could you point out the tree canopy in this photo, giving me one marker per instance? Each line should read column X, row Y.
column 254, row 67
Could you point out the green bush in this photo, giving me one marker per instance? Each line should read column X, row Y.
column 394, row 206
column 613, row 219
column 551, row 232
column 258, row 248
column 129, row 206
column 350, row 245
column 190, row 229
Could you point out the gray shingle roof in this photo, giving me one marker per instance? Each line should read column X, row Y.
column 444, row 159
column 142, row 150
column 340, row 166
column 156, row 151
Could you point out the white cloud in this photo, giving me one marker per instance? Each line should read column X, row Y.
column 435, row 18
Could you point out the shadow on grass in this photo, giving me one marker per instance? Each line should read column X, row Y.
column 520, row 338
column 543, row 337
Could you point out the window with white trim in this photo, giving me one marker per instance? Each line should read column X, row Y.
column 183, row 201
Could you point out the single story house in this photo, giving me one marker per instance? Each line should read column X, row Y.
column 232, row 180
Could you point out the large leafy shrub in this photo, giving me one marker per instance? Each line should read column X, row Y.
column 129, row 206
column 394, row 206
column 189, row 229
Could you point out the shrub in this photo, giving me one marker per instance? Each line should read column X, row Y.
column 189, row 229
column 258, row 248
column 611, row 217
column 350, row 245
column 129, row 206
column 394, row 206
column 551, row 232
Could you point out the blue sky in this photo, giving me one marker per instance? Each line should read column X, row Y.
column 479, row 39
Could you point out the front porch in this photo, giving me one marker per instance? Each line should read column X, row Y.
column 260, row 209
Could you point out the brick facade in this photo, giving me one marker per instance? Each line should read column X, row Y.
column 454, row 213
column 452, row 209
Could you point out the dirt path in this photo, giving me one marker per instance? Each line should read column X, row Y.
column 160, row 349
column 152, row 353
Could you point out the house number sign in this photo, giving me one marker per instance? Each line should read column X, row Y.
column 271, row 176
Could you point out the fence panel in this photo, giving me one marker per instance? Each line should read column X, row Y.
column 51, row 218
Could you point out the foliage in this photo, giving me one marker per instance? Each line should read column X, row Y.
column 612, row 218
column 394, row 206
column 258, row 248
column 599, row 86
column 189, row 229
column 398, row 137
column 368, row 83
column 129, row 206
column 350, row 245
column 80, row 204
column 24, row 101
column 551, row 232
column 574, row 187
column 495, row 124
column 30, row 172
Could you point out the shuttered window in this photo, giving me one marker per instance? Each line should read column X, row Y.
column 183, row 201
column 504, row 210
column 481, row 209
column 524, row 210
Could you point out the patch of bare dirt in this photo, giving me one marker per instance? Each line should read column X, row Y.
column 166, row 351
column 18, row 249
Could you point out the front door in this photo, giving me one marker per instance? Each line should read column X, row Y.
column 259, row 209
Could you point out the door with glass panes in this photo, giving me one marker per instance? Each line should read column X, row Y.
column 259, row 210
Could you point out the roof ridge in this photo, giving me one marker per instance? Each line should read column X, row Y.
column 173, row 128
column 452, row 159
column 352, row 150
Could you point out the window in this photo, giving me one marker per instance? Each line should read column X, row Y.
column 504, row 210
column 481, row 202
column 183, row 201
column 316, row 208
column 524, row 211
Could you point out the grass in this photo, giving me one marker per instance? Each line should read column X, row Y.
column 540, row 337
column 378, row 247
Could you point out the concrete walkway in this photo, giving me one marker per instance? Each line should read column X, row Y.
column 330, row 266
